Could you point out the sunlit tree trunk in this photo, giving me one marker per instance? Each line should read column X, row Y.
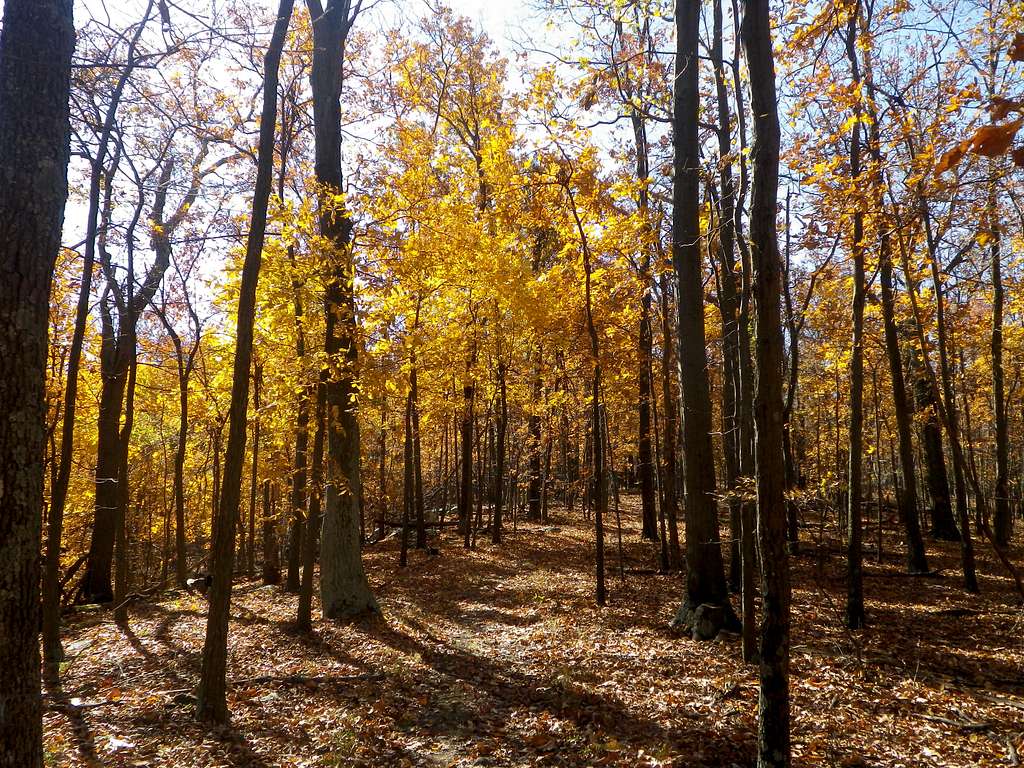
column 344, row 589
column 211, row 701
column 705, row 579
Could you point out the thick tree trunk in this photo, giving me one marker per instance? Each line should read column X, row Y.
column 344, row 589
column 943, row 524
column 212, row 703
column 773, row 702
column 705, row 579
column 36, row 43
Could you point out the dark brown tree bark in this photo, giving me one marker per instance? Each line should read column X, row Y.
column 36, row 44
column 943, row 524
column 773, row 702
column 854, row 477
column 499, row 454
column 212, row 703
column 1002, row 519
column 705, row 578
column 344, row 589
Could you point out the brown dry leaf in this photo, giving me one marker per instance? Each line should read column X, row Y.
column 1016, row 50
column 995, row 140
column 951, row 158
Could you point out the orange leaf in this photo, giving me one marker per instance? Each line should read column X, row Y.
column 994, row 140
column 951, row 158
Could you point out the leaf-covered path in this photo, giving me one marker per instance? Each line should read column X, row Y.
column 498, row 657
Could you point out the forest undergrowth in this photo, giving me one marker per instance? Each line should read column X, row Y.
column 499, row 657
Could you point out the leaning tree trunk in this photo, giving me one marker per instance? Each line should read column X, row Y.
column 212, row 702
column 344, row 589
column 705, row 578
column 773, row 702
column 36, row 44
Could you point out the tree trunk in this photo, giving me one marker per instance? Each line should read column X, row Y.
column 705, row 581
column 1002, row 519
column 773, row 702
column 943, row 524
column 669, row 494
column 211, row 703
column 36, row 44
column 345, row 591
column 313, row 517
column 854, row 484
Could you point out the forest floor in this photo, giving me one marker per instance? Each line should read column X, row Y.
column 499, row 657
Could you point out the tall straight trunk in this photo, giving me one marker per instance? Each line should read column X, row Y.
column 705, row 578
column 943, row 524
column 211, row 701
column 917, row 561
column 36, row 43
column 499, row 454
column 313, row 514
column 185, row 363
column 728, row 301
column 418, row 502
column 854, row 478
column 344, row 589
column 1002, row 518
column 97, row 586
column 301, row 461
column 946, row 404
column 793, row 331
column 123, row 493
column 466, row 492
column 670, row 494
column 773, row 701
column 535, row 490
column 180, row 556
column 254, row 472
column 268, row 526
column 59, row 490
column 408, row 483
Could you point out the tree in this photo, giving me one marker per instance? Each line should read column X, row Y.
column 705, row 574
column 36, row 45
column 344, row 589
column 211, row 703
column 773, row 702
